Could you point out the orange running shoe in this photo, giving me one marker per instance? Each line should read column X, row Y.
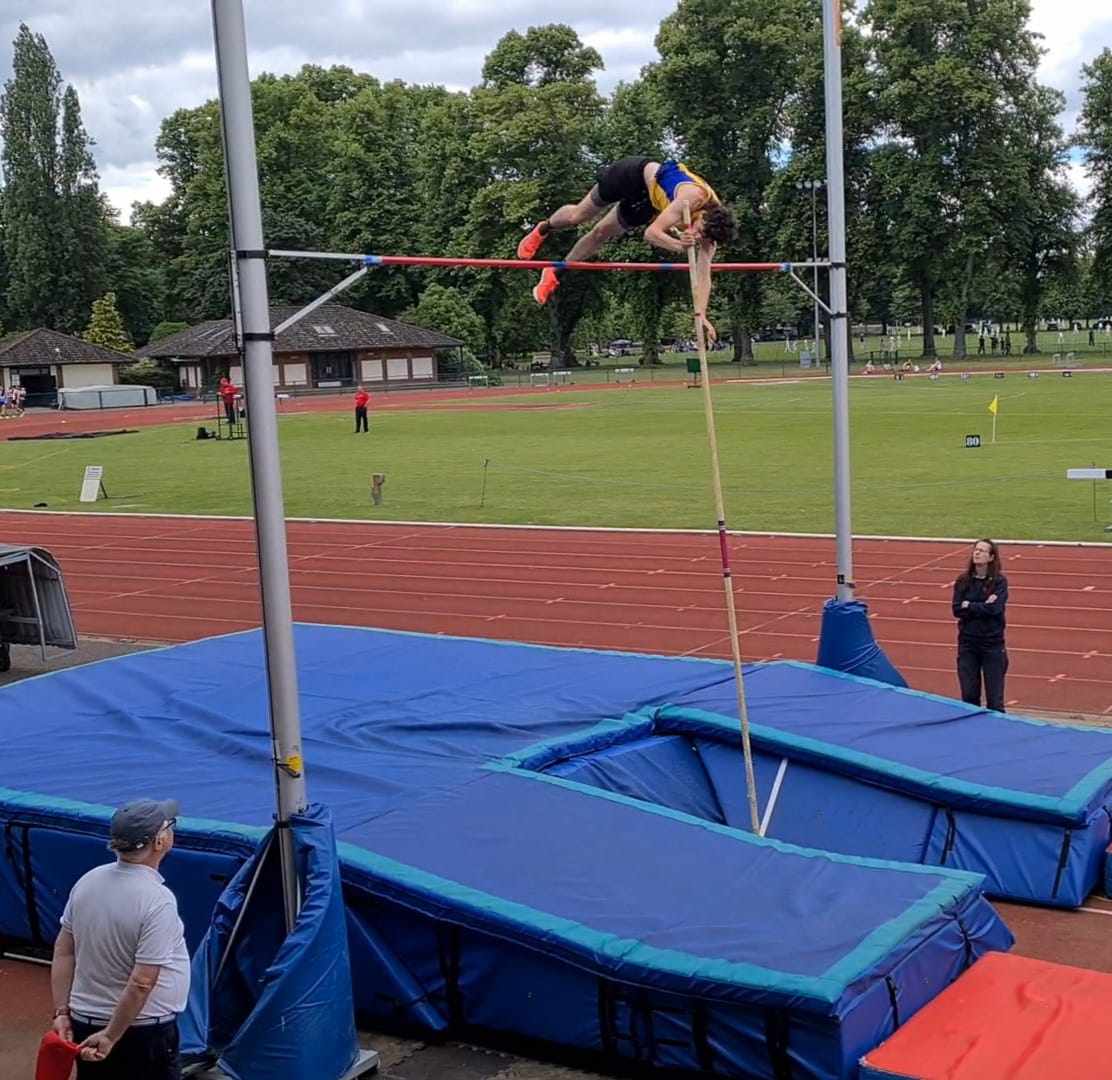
column 548, row 284
column 531, row 244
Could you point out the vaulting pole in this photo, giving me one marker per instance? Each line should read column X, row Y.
column 723, row 540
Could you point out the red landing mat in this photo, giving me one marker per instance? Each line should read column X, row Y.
column 1007, row 1018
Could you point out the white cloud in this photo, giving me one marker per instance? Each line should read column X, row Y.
column 1075, row 170
column 137, row 182
column 1073, row 32
column 135, row 63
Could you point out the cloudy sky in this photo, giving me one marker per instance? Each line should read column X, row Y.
column 133, row 63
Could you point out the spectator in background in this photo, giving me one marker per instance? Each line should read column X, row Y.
column 980, row 596
column 361, row 400
column 120, row 974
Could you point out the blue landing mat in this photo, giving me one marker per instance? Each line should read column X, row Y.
column 485, row 893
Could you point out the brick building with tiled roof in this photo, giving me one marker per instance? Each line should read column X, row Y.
column 43, row 361
column 332, row 346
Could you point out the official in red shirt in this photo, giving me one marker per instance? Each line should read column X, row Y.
column 228, row 391
column 361, row 399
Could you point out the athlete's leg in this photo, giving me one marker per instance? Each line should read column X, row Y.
column 586, row 247
column 589, row 244
column 567, row 217
column 587, row 209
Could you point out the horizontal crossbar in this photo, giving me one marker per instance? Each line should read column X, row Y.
column 1089, row 474
column 542, row 264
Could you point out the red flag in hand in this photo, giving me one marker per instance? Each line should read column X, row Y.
column 56, row 1057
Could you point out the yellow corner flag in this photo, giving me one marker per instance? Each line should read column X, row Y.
column 994, row 404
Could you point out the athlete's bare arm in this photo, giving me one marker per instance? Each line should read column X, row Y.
column 704, row 256
column 660, row 232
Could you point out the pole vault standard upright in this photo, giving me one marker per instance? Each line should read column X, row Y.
column 838, row 309
column 266, row 474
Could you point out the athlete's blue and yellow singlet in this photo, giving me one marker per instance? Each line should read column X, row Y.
column 670, row 176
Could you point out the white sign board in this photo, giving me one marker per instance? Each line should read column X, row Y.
column 93, row 483
column 1089, row 474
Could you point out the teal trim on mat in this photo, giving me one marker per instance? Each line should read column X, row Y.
column 825, row 989
column 1083, row 791
column 599, row 736
column 100, row 815
column 595, row 944
column 953, row 887
column 966, row 878
column 753, row 666
column 750, row 668
column 1068, row 809
column 1013, row 718
column 123, row 656
column 48, row 804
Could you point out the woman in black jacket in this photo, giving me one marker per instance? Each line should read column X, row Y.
column 980, row 595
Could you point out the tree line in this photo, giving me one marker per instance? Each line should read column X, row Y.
column 958, row 202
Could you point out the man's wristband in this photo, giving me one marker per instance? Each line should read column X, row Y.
column 64, row 1011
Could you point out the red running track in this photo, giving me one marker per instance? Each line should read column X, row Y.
column 175, row 579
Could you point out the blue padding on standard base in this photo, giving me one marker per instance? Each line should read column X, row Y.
column 846, row 643
column 280, row 1006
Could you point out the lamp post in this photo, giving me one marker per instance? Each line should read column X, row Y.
column 814, row 187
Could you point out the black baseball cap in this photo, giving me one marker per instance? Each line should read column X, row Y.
column 136, row 824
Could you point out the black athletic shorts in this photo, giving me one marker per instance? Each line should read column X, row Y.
column 623, row 183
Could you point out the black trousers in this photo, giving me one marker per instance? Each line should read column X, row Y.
column 987, row 663
column 144, row 1053
column 361, row 418
column 230, row 411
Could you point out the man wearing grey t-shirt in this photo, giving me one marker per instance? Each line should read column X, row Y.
column 120, row 975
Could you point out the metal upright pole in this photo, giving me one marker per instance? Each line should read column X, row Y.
column 815, row 258
column 266, row 475
column 839, row 316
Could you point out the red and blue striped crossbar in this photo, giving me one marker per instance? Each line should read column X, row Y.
column 371, row 261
